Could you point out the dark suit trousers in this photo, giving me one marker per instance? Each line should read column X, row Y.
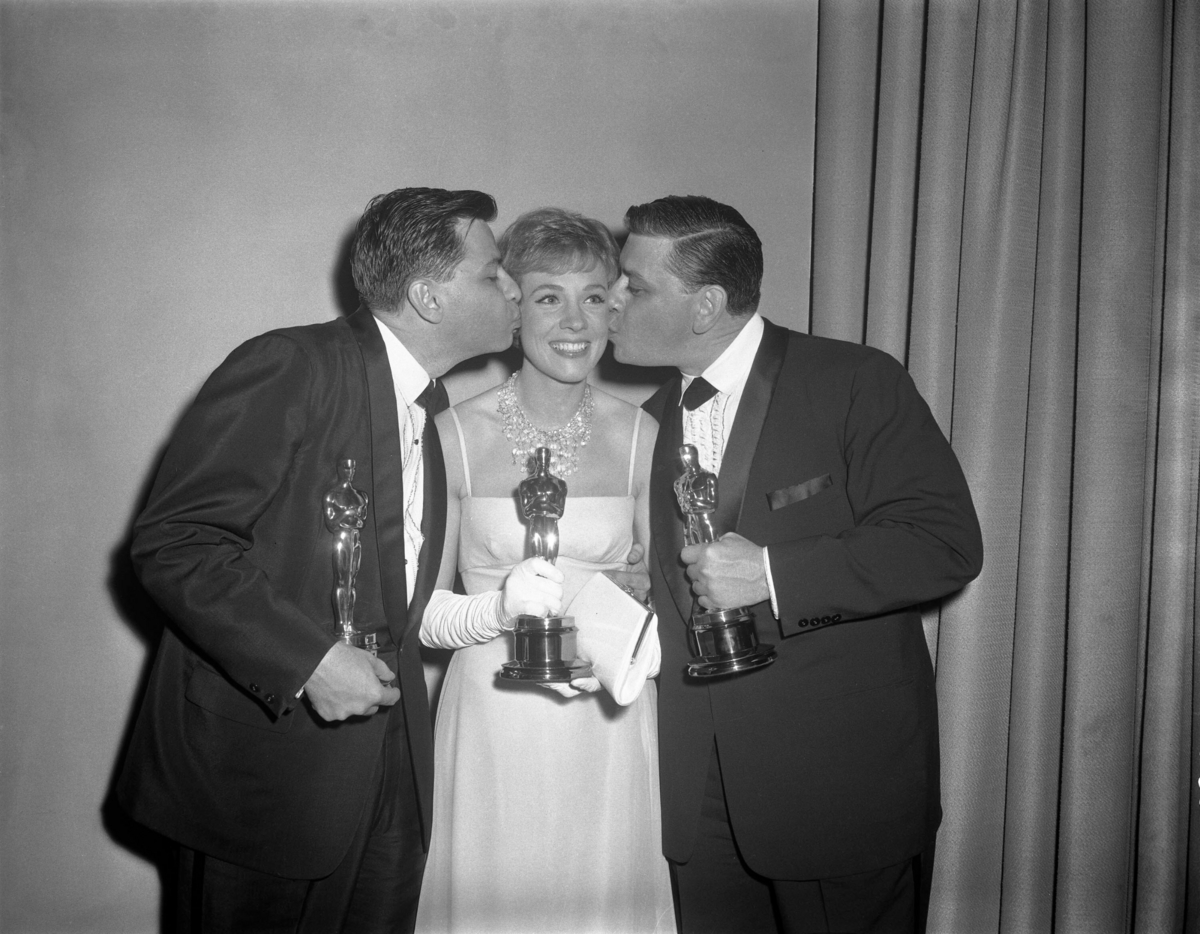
column 375, row 889
column 719, row 894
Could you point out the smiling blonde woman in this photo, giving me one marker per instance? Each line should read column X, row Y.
column 546, row 805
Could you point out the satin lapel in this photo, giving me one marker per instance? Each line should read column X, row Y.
column 747, row 426
column 433, row 519
column 387, row 494
column 666, row 524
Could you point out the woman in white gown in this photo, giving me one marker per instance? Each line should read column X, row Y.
column 546, row 805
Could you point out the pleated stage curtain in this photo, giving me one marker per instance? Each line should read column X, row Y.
column 1007, row 199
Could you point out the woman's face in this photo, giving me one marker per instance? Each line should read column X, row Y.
column 564, row 321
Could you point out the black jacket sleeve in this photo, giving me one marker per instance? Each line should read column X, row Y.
column 915, row 535
column 194, row 543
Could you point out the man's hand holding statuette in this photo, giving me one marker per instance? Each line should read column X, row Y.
column 727, row 573
column 350, row 683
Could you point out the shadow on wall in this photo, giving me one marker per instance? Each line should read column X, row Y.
column 344, row 292
column 146, row 620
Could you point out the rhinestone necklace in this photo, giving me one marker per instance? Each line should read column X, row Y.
column 564, row 443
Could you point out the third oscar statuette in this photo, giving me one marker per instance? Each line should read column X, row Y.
column 722, row 641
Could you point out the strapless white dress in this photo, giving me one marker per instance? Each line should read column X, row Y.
column 546, row 810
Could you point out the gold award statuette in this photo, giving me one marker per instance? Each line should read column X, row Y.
column 722, row 641
column 543, row 646
column 345, row 511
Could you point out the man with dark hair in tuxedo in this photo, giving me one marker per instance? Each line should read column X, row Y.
column 802, row 796
column 294, row 770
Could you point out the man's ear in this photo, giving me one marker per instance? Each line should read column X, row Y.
column 710, row 302
column 424, row 297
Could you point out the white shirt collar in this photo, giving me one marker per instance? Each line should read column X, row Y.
column 408, row 376
column 729, row 371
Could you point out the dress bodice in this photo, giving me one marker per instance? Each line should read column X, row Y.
column 595, row 533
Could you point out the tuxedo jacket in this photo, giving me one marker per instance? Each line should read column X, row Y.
column 224, row 758
column 829, row 756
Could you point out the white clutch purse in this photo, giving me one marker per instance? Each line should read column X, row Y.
column 617, row 635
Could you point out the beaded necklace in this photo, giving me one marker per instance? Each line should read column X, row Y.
column 564, row 443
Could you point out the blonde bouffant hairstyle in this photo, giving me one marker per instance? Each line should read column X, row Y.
column 554, row 240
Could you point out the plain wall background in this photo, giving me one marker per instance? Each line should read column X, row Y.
column 179, row 176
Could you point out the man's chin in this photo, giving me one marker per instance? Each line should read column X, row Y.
column 634, row 359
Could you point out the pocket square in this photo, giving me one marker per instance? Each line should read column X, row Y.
column 793, row 494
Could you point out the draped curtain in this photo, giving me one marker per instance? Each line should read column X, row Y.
column 1006, row 198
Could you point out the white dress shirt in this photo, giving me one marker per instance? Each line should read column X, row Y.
column 410, row 380
column 707, row 426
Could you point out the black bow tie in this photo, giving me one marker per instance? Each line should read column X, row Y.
column 433, row 398
column 698, row 392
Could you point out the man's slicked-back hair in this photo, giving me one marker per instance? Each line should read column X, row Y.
column 408, row 234
column 713, row 245
column 553, row 240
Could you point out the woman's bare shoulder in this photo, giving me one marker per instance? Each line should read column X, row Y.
column 615, row 419
column 471, row 414
column 479, row 410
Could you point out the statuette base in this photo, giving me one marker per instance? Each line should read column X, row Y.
column 367, row 641
column 725, row 642
column 544, row 650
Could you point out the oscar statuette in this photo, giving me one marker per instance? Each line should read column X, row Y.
column 345, row 510
column 722, row 641
column 543, row 646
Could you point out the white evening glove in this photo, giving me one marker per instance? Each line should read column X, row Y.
column 587, row 685
column 453, row 621
column 533, row 588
